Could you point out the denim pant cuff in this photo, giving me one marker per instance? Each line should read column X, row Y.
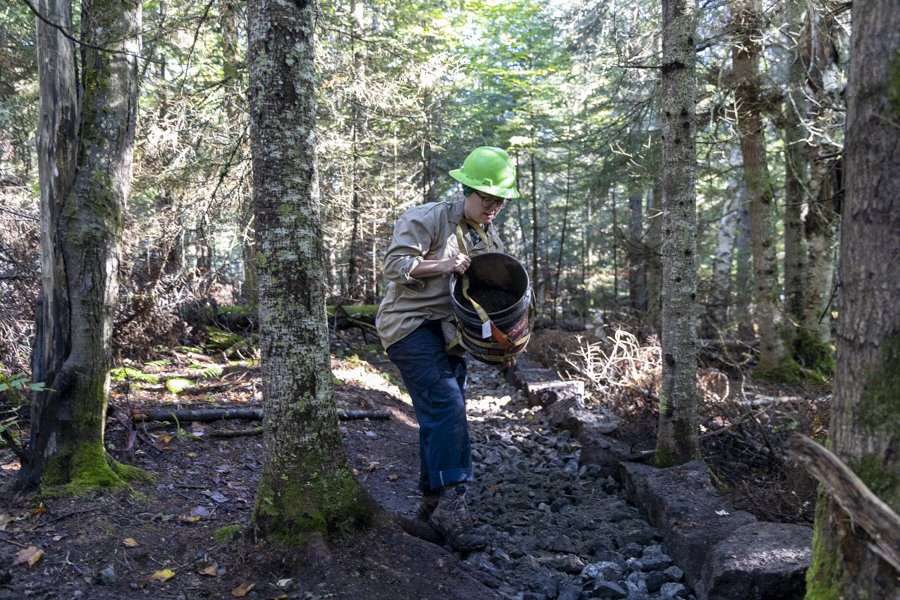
column 441, row 479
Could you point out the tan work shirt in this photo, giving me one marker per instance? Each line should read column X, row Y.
column 424, row 232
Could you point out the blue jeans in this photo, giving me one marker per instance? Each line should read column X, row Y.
column 436, row 381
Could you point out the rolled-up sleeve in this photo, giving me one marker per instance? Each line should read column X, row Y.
column 411, row 241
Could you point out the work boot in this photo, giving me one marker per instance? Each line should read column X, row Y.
column 428, row 504
column 451, row 519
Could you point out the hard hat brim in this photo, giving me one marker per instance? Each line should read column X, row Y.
column 507, row 193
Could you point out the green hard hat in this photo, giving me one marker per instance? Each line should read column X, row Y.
column 489, row 170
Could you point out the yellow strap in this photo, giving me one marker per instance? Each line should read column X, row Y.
column 499, row 336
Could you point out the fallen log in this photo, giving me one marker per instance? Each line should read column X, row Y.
column 233, row 412
column 862, row 506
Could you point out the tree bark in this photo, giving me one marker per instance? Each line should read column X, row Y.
column 654, row 266
column 85, row 151
column 677, row 436
column 536, row 282
column 723, row 258
column 748, row 22
column 865, row 421
column 825, row 181
column 637, row 274
column 306, row 488
column 615, row 244
column 562, row 238
column 743, row 272
column 795, row 167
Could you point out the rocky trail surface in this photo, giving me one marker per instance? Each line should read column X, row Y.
column 559, row 530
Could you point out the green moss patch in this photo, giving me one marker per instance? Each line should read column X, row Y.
column 789, row 372
column 879, row 407
column 824, row 574
column 228, row 533
column 296, row 509
column 812, row 353
column 87, row 469
column 176, row 385
column 879, row 477
column 130, row 374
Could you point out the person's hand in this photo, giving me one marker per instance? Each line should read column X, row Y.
column 458, row 264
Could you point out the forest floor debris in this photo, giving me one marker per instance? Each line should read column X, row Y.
column 559, row 531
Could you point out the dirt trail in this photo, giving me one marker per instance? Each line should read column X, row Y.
column 558, row 530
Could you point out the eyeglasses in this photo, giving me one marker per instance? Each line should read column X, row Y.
column 489, row 202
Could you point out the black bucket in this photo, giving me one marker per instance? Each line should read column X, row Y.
column 501, row 285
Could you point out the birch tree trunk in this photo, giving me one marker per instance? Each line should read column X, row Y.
column 306, row 488
column 795, row 167
column 723, row 257
column 865, row 420
column 677, row 438
column 825, row 182
column 85, row 152
column 748, row 22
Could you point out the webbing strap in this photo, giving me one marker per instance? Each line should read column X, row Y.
column 498, row 335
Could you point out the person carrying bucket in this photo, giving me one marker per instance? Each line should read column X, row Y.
column 432, row 242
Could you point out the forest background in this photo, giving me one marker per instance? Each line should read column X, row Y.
column 406, row 89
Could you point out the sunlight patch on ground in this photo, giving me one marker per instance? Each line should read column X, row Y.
column 361, row 374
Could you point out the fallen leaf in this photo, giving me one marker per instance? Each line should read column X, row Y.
column 242, row 590
column 38, row 510
column 210, row 571
column 56, row 538
column 163, row 575
column 4, row 521
column 284, row 583
column 188, row 518
column 165, row 438
column 393, row 477
column 28, row 556
column 722, row 513
column 130, row 543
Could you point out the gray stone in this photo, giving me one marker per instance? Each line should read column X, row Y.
column 654, row 562
column 655, row 580
column 673, row 573
column 605, row 570
column 760, row 560
column 608, row 589
column 670, row 590
column 602, row 451
column 567, row 563
column 107, row 575
column 637, row 581
column 632, row 549
column 569, row 591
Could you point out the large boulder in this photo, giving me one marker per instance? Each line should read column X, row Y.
column 725, row 554
column 759, row 560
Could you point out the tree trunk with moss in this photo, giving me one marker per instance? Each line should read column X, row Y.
column 865, row 421
column 748, row 22
column 677, row 438
column 85, row 152
column 306, row 488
